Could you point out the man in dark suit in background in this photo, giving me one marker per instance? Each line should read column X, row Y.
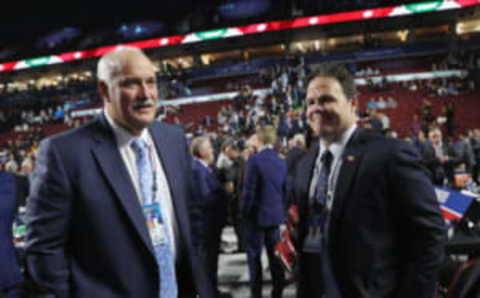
column 12, row 195
column 107, row 215
column 213, row 199
column 230, row 173
column 475, row 141
column 296, row 146
column 440, row 159
column 370, row 224
column 263, row 206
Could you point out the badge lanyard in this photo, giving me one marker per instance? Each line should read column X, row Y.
column 318, row 224
column 153, row 213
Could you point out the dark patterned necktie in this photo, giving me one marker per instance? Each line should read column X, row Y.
column 322, row 182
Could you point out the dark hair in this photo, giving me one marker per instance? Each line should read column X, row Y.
column 229, row 142
column 337, row 71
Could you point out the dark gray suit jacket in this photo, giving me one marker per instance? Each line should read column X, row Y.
column 387, row 235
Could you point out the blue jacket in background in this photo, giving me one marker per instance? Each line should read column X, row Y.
column 265, row 189
column 10, row 274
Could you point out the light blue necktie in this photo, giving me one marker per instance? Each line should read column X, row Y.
column 164, row 255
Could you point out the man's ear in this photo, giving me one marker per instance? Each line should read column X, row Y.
column 354, row 103
column 103, row 91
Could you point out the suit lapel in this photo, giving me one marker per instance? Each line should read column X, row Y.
column 351, row 160
column 116, row 173
column 306, row 174
column 307, row 171
column 302, row 189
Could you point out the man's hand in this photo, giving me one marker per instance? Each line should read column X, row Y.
column 229, row 187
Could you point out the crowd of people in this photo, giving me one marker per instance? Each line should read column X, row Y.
column 283, row 108
column 34, row 110
column 447, row 159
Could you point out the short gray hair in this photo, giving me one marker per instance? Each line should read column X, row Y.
column 196, row 144
column 111, row 65
column 299, row 139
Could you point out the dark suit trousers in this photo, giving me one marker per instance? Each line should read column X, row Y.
column 212, row 250
column 14, row 292
column 255, row 238
column 310, row 282
column 317, row 279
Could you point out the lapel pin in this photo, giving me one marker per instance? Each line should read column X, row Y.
column 350, row 158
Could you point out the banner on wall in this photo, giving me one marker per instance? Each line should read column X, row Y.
column 222, row 33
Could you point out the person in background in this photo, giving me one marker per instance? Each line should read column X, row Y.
column 214, row 201
column 420, row 142
column 376, row 121
column 463, row 149
column 12, row 195
column 475, row 142
column 223, row 160
column 450, row 119
column 440, row 159
column 297, row 149
column 415, row 125
column 232, row 181
column 11, row 165
column 263, row 205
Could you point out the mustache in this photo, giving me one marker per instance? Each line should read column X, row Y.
column 325, row 115
column 144, row 103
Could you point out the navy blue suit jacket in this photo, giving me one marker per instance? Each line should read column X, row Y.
column 387, row 235
column 211, row 196
column 86, row 233
column 265, row 189
column 10, row 274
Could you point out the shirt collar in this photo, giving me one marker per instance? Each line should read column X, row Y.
column 268, row 146
column 202, row 162
column 123, row 136
column 336, row 148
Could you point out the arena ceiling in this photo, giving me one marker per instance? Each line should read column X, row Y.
column 32, row 18
column 25, row 22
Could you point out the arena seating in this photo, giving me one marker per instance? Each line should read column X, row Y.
column 409, row 102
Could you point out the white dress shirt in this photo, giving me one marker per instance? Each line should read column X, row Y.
column 124, row 139
column 336, row 148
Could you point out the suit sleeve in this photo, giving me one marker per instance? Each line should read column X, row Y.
column 421, row 224
column 201, row 186
column 47, row 219
column 249, row 188
column 196, row 209
column 21, row 190
column 286, row 192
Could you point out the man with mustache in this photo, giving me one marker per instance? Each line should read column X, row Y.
column 370, row 224
column 108, row 213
